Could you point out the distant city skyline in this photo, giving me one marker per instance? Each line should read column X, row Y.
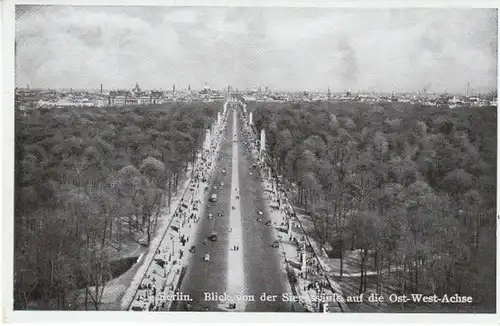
column 367, row 50
column 471, row 91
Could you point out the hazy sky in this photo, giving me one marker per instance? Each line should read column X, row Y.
column 283, row 48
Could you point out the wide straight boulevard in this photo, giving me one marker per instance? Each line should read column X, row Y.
column 243, row 264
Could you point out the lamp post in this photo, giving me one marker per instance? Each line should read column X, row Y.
column 173, row 243
column 304, row 260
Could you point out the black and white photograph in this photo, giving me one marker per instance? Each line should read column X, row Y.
column 245, row 159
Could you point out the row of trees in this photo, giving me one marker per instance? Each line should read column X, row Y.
column 410, row 188
column 78, row 172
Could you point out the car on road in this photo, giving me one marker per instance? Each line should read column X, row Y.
column 261, row 213
column 206, row 257
column 213, row 236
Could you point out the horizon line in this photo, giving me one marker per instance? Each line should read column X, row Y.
column 270, row 91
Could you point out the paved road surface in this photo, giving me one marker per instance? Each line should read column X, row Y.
column 260, row 262
column 202, row 276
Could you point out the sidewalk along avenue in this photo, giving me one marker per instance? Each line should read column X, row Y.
column 159, row 283
column 305, row 270
column 211, row 239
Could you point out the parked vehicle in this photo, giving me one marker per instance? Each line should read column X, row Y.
column 213, row 236
column 213, row 198
column 207, row 257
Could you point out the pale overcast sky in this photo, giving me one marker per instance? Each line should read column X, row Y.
column 283, row 48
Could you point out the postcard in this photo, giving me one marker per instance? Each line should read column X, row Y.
column 217, row 161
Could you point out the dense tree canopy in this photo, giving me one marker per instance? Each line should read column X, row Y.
column 78, row 172
column 410, row 185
